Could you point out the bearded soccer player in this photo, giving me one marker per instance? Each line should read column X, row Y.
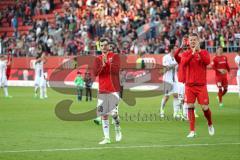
column 182, row 77
column 195, row 62
column 221, row 67
column 107, row 68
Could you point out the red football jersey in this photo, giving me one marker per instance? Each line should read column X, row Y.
column 8, row 71
column 195, row 67
column 181, row 75
column 108, row 74
column 220, row 62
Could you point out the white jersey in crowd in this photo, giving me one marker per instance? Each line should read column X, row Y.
column 170, row 75
column 237, row 61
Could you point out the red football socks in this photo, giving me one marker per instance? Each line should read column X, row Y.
column 220, row 94
column 224, row 91
column 191, row 118
column 208, row 116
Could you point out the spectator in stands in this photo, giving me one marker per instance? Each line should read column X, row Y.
column 72, row 46
column 45, row 6
column 15, row 25
column 120, row 20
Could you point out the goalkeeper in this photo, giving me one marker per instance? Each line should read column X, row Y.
column 79, row 83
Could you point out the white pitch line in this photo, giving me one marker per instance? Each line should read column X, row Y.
column 116, row 147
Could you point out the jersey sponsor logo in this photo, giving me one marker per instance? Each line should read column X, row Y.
column 110, row 60
column 221, row 62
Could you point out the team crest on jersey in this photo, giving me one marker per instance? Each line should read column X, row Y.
column 198, row 57
column 110, row 59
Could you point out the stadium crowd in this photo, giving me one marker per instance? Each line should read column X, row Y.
column 135, row 26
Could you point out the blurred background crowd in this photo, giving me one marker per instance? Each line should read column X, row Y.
column 74, row 27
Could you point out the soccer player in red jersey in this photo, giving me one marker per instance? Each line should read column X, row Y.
column 182, row 77
column 9, row 63
column 220, row 65
column 195, row 62
column 107, row 68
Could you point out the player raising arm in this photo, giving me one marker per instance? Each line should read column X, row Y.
column 107, row 68
column 182, row 77
column 196, row 60
column 39, row 74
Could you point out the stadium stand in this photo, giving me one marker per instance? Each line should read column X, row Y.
column 73, row 27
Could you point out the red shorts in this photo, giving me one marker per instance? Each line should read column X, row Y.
column 196, row 92
column 221, row 82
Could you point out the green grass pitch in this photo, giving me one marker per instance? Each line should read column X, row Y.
column 30, row 130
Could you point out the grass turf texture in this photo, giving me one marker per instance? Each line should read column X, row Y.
column 27, row 124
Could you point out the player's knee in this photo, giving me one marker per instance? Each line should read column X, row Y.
column 175, row 95
column 114, row 115
column 204, row 107
column 105, row 117
column 190, row 105
column 166, row 98
column 116, row 118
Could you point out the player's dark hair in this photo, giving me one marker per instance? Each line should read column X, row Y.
column 193, row 34
column 38, row 55
column 104, row 40
column 112, row 44
column 171, row 47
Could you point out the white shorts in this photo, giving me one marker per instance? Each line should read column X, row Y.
column 3, row 81
column 43, row 82
column 38, row 80
column 181, row 88
column 169, row 91
column 107, row 104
